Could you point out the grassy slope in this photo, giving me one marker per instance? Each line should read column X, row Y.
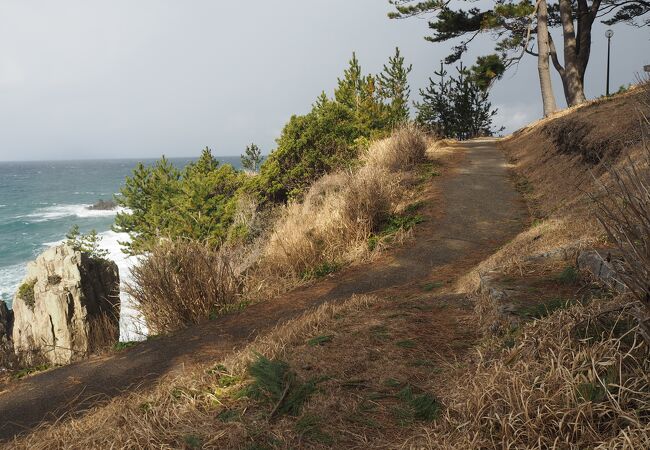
column 384, row 367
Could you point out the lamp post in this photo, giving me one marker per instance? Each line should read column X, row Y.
column 608, row 35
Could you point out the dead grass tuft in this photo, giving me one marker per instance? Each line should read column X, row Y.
column 578, row 379
column 332, row 224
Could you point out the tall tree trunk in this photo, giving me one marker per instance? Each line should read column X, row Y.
column 572, row 75
column 546, row 85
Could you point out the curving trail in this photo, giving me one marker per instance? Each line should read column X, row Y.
column 477, row 209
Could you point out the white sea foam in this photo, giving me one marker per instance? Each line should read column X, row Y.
column 132, row 324
column 10, row 278
column 61, row 211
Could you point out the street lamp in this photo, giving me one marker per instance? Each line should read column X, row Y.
column 608, row 35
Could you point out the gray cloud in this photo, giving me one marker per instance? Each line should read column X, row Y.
column 124, row 78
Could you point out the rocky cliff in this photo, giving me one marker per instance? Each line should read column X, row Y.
column 67, row 306
column 6, row 322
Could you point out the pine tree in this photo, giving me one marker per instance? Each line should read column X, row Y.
column 360, row 94
column 394, row 87
column 456, row 107
column 252, row 158
column 436, row 111
column 350, row 87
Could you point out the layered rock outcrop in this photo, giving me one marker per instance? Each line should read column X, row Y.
column 67, row 307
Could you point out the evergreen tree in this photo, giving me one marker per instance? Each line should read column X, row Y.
column 435, row 111
column 350, row 87
column 394, row 87
column 252, row 158
column 517, row 24
column 456, row 107
column 360, row 94
column 163, row 202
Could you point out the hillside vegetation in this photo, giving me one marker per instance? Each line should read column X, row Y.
column 439, row 365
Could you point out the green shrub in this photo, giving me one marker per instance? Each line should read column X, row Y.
column 163, row 202
column 26, row 293
column 310, row 146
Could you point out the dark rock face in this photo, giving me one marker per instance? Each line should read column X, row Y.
column 103, row 205
column 6, row 324
column 72, row 307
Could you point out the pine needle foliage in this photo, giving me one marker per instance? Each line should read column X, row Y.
column 456, row 107
column 86, row 243
column 275, row 382
column 394, row 88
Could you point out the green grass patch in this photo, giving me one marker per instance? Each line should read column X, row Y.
column 544, row 309
column 569, row 275
column 392, row 382
column 309, row 426
column 419, row 362
column 320, row 340
column 428, row 171
column 433, row 285
column 380, row 332
column 26, row 293
column 424, row 407
column 414, row 207
column 392, row 225
column 119, row 346
column 192, row 441
column 406, row 343
column 396, row 223
column 229, row 415
column 22, row 373
column 322, row 270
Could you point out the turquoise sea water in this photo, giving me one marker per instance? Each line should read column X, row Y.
column 40, row 201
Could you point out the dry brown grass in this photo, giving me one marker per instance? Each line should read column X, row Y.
column 374, row 349
column 182, row 283
column 332, row 224
column 103, row 332
column 183, row 406
column 624, row 211
column 578, row 379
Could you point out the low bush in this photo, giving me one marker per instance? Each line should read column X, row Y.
column 183, row 282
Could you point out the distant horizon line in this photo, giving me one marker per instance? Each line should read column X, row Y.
column 2, row 161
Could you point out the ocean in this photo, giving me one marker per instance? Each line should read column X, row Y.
column 41, row 201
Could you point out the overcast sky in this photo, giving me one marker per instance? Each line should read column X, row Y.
column 127, row 78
